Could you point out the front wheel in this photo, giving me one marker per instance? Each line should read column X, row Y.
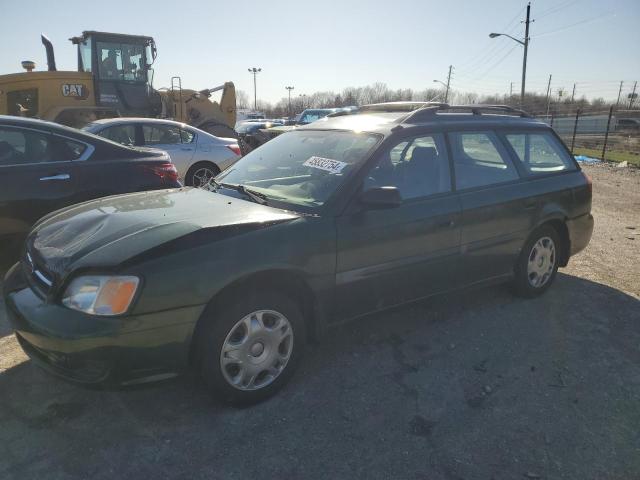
column 249, row 349
column 537, row 264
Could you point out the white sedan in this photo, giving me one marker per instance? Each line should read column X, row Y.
column 197, row 155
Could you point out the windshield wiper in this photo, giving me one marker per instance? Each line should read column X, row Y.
column 257, row 197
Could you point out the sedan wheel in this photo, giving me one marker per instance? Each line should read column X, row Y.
column 202, row 177
column 257, row 350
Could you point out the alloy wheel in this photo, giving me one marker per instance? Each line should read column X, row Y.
column 202, row 177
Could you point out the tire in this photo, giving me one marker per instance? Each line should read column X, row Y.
column 537, row 264
column 267, row 356
column 196, row 175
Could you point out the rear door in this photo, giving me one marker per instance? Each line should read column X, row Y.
column 170, row 139
column 387, row 257
column 497, row 212
column 38, row 175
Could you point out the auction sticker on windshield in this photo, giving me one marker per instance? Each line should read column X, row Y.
column 326, row 164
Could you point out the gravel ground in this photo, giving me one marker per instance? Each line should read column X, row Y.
column 476, row 385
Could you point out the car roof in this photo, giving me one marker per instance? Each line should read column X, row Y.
column 36, row 123
column 117, row 120
column 385, row 118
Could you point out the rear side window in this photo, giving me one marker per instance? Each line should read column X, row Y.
column 123, row 134
column 161, row 135
column 540, row 153
column 19, row 147
column 480, row 159
column 186, row 136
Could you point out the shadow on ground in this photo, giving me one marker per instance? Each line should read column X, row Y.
column 472, row 385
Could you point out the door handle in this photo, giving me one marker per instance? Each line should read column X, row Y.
column 60, row 176
column 186, row 149
column 446, row 223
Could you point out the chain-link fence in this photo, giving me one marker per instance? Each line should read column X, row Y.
column 600, row 134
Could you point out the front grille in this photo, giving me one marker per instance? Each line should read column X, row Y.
column 38, row 274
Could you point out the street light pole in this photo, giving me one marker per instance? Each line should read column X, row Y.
column 255, row 72
column 525, row 44
column 446, row 85
column 526, row 48
column 289, row 89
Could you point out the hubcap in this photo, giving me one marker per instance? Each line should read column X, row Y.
column 542, row 261
column 202, row 177
column 256, row 350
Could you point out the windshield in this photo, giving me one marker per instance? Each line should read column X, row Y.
column 302, row 168
column 309, row 116
column 253, row 126
column 121, row 61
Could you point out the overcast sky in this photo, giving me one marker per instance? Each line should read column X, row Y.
column 332, row 44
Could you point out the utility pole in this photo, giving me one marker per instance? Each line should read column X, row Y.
column 548, row 94
column 525, row 44
column 446, row 94
column 511, row 90
column 255, row 72
column 633, row 95
column 619, row 92
column 526, row 48
column 289, row 89
column 573, row 94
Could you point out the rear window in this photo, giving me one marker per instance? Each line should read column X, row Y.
column 540, row 153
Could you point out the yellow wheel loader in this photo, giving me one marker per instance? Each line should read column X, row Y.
column 114, row 78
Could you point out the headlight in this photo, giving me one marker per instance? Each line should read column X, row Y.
column 101, row 294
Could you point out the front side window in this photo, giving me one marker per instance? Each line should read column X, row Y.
column 418, row 167
column 123, row 134
column 18, row 147
column 479, row 159
column 301, row 168
column 161, row 135
column 540, row 153
column 121, row 61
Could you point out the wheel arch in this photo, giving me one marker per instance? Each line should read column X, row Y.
column 559, row 223
column 289, row 281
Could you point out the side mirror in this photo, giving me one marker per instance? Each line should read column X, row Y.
column 381, row 197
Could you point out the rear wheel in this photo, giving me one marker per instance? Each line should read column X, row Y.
column 538, row 262
column 251, row 348
column 201, row 174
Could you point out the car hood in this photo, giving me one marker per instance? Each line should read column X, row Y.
column 112, row 230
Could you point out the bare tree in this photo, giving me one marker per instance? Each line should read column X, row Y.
column 242, row 99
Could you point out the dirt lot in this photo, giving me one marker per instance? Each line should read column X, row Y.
column 477, row 385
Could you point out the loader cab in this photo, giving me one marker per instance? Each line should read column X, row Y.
column 121, row 69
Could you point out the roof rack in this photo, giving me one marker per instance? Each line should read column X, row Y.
column 428, row 112
column 403, row 106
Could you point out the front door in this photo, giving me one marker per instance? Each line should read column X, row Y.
column 37, row 176
column 387, row 257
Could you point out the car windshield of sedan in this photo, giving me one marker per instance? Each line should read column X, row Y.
column 302, row 168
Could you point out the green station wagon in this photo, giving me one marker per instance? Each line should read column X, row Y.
column 344, row 217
